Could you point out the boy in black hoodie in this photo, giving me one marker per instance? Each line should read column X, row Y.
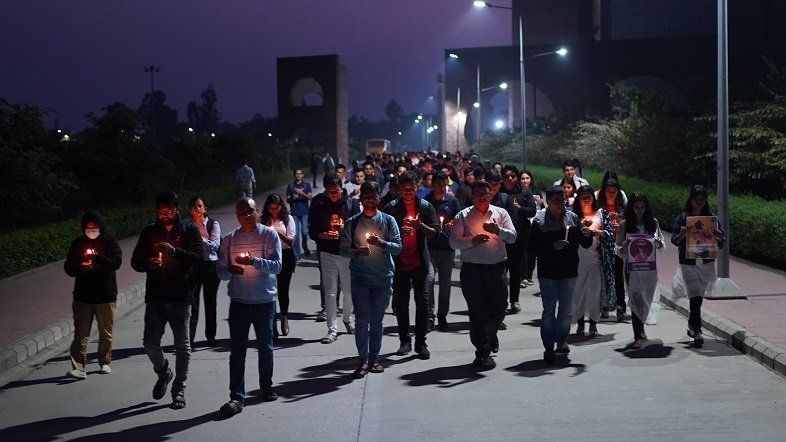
column 93, row 259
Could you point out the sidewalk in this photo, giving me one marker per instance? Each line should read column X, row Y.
column 37, row 304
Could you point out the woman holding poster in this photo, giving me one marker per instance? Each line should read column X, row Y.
column 696, row 239
column 639, row 236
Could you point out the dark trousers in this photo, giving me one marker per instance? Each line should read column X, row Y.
column 402, row 281
column 528, row 257
column 513, row 264
column 284, row 278
column 638, row 326
column 207, row 282
column 694, row 320
column 485, row 291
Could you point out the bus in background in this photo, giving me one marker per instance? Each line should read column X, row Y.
column 377, row 146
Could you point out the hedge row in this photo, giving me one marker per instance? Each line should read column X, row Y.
column 33, row 247
column 756, row 232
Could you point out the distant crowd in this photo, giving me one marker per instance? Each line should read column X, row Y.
column 388, row 230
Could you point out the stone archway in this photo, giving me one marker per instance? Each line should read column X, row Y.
column 312, row 93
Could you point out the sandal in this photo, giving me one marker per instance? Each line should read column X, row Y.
column 361, row 371
column 376, row 367
column 178, row 402
column 329, row 338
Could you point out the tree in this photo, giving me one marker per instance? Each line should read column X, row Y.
column 204, row 117
column 32, row 180
column 165, row 117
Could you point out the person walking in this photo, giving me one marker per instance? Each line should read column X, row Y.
column 329, row 212
column 206, row 276
column 276, row 216
column 642, row 283
column 250, row 259
column 370, row 239
column 92, row 261
column 481, row 232
column 245, row 180
column 298, row 196
column 697, row 274
column 555, row 237
column 417, row 222
column 169, row 252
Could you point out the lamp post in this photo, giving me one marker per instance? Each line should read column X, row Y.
column 476, row 105
column 152, row 69
column 522, row 75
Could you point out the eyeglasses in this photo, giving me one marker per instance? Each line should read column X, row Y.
column 510, row 177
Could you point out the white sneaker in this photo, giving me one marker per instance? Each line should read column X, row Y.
column 77, row 374
column 105, row 369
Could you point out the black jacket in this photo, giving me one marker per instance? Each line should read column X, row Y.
column 319, row 215
column 96, row 285
column 175, row 280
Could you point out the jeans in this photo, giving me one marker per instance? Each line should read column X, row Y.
column 442, row 261
column 402, row 280
column 485, row 289
column 178, row 315
column 83, row 320
column 301, row 234
column 555, row 322
column 335, row 267
column 206, row 281
column 241, row 317
column 370, row 302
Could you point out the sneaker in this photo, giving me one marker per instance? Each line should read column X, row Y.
column 350, row 328
column 479, row 361
column 329, row 338
column 159, row 390
column 502, row 326
column 77, row 374
column 105, row 369
column 422, row 351
column 548, row 355
column 321, row 316
column 232, row 408
column 698, row 339
column 404, row 348
column 515, row 307
column 691, row 333
column 562, row 348
column 580, row 329
column 442, row 323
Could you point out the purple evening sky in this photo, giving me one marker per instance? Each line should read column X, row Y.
column 80, row 56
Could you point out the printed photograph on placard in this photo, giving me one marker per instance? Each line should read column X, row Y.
column 701, row 242
column 641, row 253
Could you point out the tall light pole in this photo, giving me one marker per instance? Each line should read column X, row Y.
column 522, row 75
column 477, row 104
column 152, row 69
column 724, row 287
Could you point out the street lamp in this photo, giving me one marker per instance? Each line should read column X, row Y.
column 152, row 69
column 476, row 105
column 522, row 76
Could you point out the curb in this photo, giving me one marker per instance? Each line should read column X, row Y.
column 13, row 354
column 768, row 354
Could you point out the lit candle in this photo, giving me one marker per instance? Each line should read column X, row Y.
column 441, row 220
column 90, row 252
column 367, row 236
column 160, row 256
column 567, row 229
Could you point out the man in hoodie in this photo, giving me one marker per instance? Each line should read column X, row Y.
column 168, row 251
column 92, row 260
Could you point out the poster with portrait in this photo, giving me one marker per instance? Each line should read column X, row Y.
column 641, row 253
column 700, row 238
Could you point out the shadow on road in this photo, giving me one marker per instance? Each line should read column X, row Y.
column 446, row 377
column 537, row 368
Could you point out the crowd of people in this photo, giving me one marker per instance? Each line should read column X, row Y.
column 387, row 231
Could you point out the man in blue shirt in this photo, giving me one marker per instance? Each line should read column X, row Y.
column 298, row 196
